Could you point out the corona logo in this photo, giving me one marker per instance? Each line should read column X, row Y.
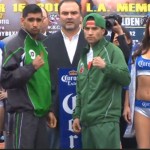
column 72, row 73
column 67, row 108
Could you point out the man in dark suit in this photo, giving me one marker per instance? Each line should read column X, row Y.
column 64, row 48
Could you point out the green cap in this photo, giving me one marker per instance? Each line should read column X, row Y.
column 99, row 20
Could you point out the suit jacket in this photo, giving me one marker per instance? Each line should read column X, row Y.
column 58, row 58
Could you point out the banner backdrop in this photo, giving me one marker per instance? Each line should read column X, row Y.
column 67, row 103
column 133, row 14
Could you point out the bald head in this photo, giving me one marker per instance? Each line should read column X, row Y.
column 46, row 21
column 44, row 12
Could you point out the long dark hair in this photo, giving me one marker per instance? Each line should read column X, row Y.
column 145, row 44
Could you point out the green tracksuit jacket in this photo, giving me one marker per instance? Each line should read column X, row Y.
column 28, row 89
column 99, row 90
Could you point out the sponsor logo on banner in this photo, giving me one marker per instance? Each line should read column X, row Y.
column 67, row 94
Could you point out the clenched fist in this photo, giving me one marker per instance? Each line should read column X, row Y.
column 38, row 62
column 98, row 62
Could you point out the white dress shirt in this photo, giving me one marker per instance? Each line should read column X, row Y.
column 90, row 58
column 71, row 45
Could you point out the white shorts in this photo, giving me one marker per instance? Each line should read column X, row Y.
column 142, row 107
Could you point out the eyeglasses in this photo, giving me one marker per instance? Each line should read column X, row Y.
column 34, row 19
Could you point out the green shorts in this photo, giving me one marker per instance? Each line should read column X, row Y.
column 101, row 136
